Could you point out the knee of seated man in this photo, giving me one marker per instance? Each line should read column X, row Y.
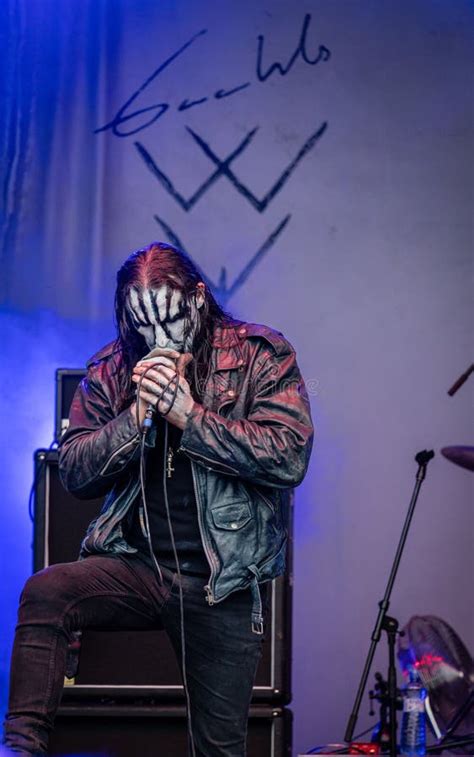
column 46, row 588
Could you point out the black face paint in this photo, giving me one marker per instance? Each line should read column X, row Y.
column 163, row 317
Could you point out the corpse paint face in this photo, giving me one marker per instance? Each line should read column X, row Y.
column 163, row 316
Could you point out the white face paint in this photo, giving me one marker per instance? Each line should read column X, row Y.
column 161, row 316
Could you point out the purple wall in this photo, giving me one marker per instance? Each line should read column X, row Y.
column 369, row 277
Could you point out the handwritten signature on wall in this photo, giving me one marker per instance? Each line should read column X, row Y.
column 127, row 122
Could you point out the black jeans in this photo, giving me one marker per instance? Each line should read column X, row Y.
column 222, row 652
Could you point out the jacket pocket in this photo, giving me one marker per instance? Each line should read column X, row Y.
column 232, row 517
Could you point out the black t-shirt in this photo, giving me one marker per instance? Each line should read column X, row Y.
column 182, row 506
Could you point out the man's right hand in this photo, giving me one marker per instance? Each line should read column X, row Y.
column 157, row 356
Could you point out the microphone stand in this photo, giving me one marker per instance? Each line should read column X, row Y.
column 390, row 625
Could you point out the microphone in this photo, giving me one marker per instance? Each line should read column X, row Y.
column 181, row 364
column 150, row 411
column 148, row 420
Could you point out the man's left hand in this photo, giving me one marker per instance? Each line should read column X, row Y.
column 152, row 387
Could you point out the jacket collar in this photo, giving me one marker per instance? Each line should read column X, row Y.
column 227, row 341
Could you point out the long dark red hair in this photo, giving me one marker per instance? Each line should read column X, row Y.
column 152, row 267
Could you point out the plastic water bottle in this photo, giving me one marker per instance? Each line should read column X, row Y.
column 413, row 734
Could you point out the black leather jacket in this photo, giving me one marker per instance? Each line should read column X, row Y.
column 249, row 444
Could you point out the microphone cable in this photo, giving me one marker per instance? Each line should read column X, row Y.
column 143, row 430
column 40, row 469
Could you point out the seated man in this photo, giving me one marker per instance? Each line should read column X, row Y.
column 195, row 426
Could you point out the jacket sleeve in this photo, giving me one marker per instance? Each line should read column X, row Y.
column 98, row 444
column 272, row 444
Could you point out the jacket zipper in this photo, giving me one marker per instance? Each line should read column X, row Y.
column 209, row 554
column 115, row 453
column 199, row 456
column 209, row 587
column 246, row 584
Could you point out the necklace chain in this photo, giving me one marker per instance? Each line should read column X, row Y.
column 169, row 462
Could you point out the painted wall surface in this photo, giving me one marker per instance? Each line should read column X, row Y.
column 315, row 159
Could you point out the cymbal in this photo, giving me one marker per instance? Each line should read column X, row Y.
column 463, row 456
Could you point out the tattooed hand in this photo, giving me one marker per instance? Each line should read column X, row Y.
column 163, row 366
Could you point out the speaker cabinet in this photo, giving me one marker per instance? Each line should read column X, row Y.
column 67, row 380
column 121, row 731
column 139, row 663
